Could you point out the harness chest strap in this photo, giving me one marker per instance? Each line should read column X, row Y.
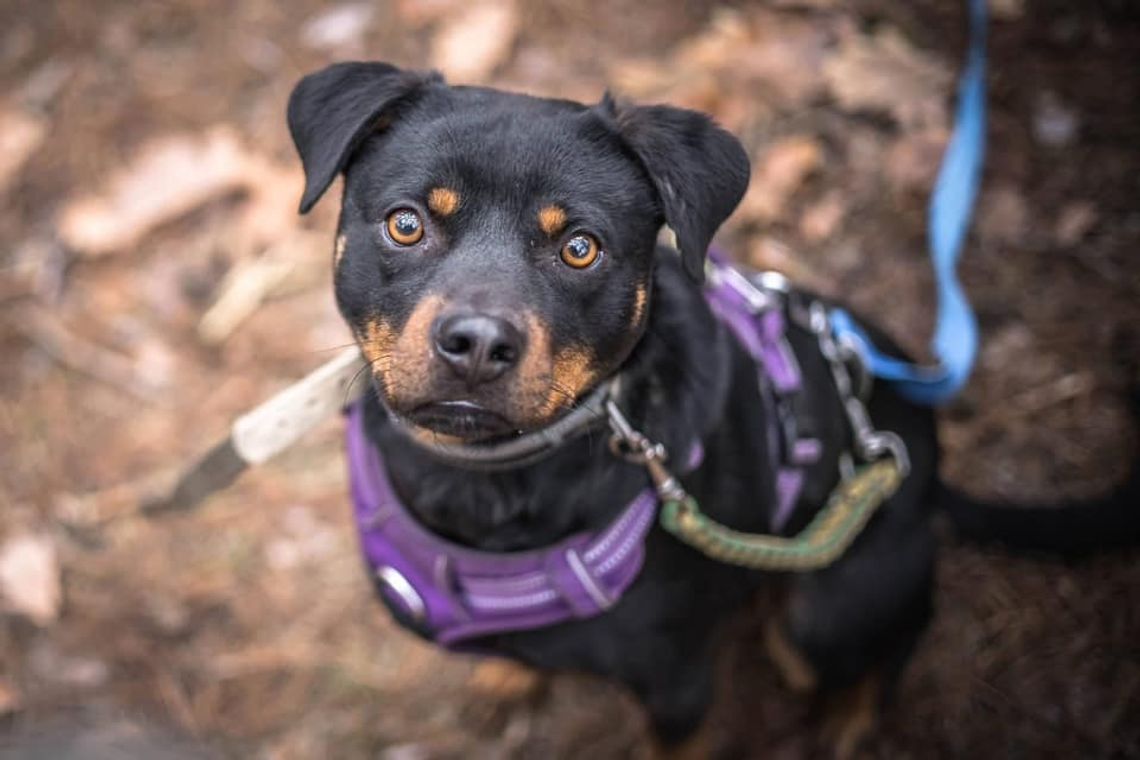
column 451, row 593
column 757, row 321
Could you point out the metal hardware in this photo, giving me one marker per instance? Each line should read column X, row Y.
column 635, row 447
column 759, row 300
column 870, row 444
column 768, row 290
column 395, row 582
column 775, row 281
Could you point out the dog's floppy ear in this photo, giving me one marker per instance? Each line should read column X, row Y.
column 699, row 170
column 333, row 110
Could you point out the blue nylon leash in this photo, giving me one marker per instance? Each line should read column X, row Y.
column 955, row 341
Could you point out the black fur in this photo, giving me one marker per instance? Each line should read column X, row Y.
column 620, row 171
column 699, row 170
column 332, row 111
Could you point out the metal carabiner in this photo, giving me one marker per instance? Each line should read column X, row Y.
column 628, row 443
column 634, row 446
column 880, row 442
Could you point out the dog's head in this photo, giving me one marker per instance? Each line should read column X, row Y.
column 495, row 251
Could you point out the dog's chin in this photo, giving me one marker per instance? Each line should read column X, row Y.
column 463, row 421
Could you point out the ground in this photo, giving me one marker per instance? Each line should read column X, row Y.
column 155, row 282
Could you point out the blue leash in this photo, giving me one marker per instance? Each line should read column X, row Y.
column 955, row 342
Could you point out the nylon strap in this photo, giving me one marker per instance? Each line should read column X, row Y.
column 955, row 341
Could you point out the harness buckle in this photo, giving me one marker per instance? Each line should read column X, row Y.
column 763, row 295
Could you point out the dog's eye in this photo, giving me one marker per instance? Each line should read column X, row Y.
column 580, row 251
column 405, row 226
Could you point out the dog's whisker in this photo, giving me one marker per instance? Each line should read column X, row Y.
column 367, row 367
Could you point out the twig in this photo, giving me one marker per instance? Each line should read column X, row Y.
column 97, row 508
column 83, row 356
column 243, row 291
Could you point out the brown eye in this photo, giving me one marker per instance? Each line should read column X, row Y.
column 405, row 226
column 580, row 251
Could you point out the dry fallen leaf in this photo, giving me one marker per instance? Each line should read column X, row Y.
column 776, row 57
column 339, row 28
column 20, row 135
column 174, row 175
column 241, row 293
column 816, row 5
column 640, row 77
column 269, row 213
column 420, row 13
column 50, row 664
column 10, row 699
column 1007, row 10
column 473, row 43
column 1003, row 216
column 718, row 46
column 29, row 577
column 769, row 253
column 883, row 72
column 779, row 173
column 822, row 219
column 786, row 56
column 1056, row 124
column 912, row 161
column 169, row 177
column 1074, row 222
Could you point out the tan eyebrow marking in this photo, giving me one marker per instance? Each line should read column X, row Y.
column 443, row 201
column 551, row 219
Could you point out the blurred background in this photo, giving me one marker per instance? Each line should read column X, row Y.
column 155, row 281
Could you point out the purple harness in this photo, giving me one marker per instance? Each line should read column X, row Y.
column 453, row 594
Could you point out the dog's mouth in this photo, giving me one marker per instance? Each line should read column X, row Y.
column 463, row 420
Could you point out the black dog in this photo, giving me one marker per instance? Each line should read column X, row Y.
column 497, row 260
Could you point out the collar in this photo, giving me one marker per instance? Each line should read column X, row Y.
column 453, row 594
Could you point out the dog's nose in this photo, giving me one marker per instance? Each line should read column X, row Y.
column 478, row 347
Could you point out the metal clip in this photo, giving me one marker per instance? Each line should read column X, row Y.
column 634, row 446
column 627, row 443
column 849, row 350
column 870, row 444
column 774, row 281
column 882, row 442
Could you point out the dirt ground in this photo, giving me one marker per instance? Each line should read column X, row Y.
column 155, row 282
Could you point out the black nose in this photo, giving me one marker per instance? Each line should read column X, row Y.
column 478, row 347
